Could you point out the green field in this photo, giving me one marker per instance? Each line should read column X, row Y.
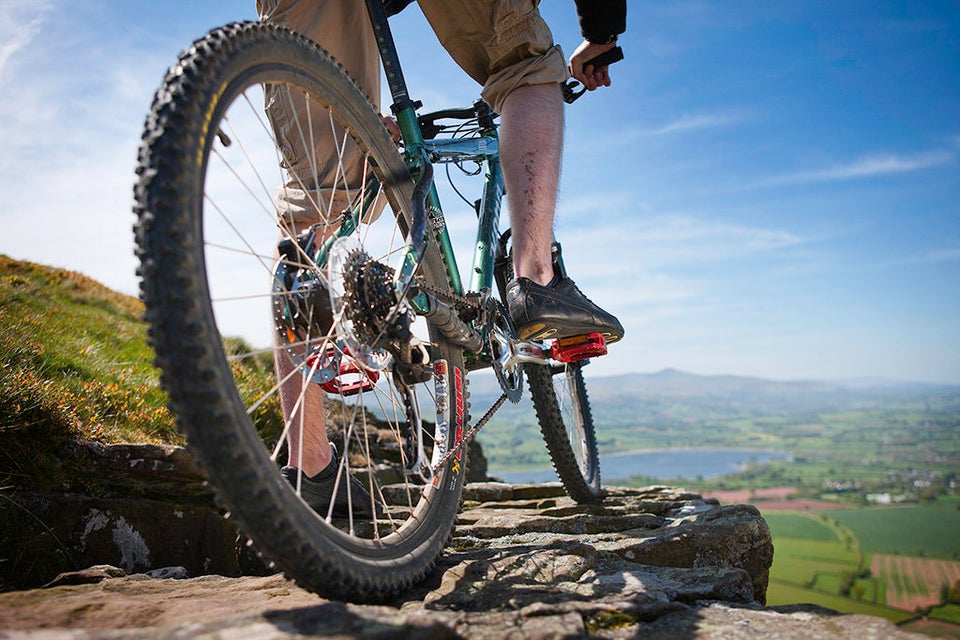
column 820, row 556
column 929, row 531
column 781, row 593
column 810, row 563
column 947, row 613
column 794, row 525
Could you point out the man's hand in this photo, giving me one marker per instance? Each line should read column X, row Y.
column 589, row 76
column 393, row 127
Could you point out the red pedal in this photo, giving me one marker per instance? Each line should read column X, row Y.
column 579, row 348
column 351, row 378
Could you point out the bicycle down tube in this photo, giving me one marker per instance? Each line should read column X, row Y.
column 484, row 148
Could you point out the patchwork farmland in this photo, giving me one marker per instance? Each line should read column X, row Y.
column 847, row 560
column 911, row 582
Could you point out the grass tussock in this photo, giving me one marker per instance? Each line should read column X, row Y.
column 74, row 363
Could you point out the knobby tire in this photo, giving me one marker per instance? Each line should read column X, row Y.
column 187, row 127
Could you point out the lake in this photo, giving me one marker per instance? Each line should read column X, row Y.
column 665, row 464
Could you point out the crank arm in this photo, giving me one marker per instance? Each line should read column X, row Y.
column 532, row 352
column 524, row 352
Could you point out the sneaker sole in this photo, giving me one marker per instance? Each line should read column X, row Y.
column 540, row 331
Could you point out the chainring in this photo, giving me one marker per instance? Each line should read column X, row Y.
column 498, row 332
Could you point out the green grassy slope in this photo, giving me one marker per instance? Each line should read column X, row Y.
column 74, row 362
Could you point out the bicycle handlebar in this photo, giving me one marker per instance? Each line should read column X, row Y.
column 605, row 59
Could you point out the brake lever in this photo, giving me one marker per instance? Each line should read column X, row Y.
column 605, row 59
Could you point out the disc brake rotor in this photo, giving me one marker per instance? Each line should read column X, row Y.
column 302, row 319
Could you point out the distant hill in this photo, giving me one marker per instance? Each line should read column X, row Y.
column 649, row 394
column 75, row 362
column 670, row 409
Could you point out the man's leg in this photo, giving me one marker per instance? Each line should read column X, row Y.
column 531, row 136
column 341, row 27
column 302, row 403
column 506, row 46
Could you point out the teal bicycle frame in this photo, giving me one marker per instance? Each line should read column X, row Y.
column 419, row 153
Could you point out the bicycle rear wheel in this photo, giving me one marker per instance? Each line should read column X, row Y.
column 566, row 422
column 309, row 287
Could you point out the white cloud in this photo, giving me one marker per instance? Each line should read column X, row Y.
column 20, row 22
column 68, row 141
column 943, row 255
column 931, row 256
column 663, row 241
column 867, row 167
column 697, row 122
column 689, row 123
column 654, row 270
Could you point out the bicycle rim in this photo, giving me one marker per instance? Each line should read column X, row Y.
column 227, row 281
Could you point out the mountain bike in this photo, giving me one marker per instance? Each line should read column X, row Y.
column 364, row 304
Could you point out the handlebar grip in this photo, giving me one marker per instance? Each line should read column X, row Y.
column 605, row 59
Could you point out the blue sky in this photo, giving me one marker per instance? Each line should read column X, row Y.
column 769, row 188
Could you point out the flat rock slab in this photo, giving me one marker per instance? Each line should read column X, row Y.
column 525, row 562
column 645, row 605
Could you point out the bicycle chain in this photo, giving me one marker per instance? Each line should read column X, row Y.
column 474, row 301
column 470, row 434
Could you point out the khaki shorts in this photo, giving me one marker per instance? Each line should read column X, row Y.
column 502, row 44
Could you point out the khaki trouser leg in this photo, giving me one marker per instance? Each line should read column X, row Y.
column 315, row 189
column 502, row 44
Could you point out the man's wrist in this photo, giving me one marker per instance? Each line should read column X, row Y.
column 594, row 39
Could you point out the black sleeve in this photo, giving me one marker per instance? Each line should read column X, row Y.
column 600, row 19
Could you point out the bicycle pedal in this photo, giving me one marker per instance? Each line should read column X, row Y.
column 578, row 348
column 351, row 378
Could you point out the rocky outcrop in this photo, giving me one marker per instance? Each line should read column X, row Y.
column 141, row 507
column 240, row 608
column 525, row 561
column 134, row 506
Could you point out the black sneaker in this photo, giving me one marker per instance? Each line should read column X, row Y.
column 317, row 492
column 558, row 310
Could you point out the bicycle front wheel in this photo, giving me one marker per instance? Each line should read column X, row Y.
column 267, row 260
column 563, row 411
